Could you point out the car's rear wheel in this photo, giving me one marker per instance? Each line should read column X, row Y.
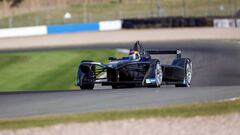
column 188, row 75
column 156, row 77
column 122, row 86
column 158, row 74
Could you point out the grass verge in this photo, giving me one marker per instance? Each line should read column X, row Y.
column 205, row 109
column 45, row 70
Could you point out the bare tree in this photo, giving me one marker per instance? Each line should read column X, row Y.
column 12, row 3
column 6, row 8
column 8, row 4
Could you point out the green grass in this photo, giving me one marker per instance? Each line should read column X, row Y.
column 206, row 109
column 50, row 70
column 127, row 9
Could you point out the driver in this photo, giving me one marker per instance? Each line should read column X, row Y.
column 134, row 55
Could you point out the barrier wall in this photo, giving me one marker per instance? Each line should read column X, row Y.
column 163, row 22
column 23, row 31
column 167, row 22
column 59, row 29
column 70, row 28
column 238, row 23
column 224, row 23
column 110, row 25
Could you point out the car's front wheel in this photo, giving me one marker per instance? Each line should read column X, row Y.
column 87, row 87
column 87, row 84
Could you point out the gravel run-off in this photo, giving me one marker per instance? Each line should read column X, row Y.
column 227, row 124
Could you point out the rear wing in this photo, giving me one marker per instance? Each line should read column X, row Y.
column 177, row 52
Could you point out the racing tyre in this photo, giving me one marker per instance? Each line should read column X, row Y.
column 188, row 75
column 114, row 86
column 117, row 86
column 158, row 74
column 88, row 80
column 87, row 86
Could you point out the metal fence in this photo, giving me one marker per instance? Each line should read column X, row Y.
column 86, row 11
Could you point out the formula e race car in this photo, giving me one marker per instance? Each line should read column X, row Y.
column 136, row 70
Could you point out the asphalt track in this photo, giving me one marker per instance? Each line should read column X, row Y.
column 216, row 76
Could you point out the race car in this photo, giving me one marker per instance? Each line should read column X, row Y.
column 138, row 69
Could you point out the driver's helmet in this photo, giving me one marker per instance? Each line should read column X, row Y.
column 134, row 55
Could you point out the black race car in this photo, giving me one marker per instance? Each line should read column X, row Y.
column 136, row 70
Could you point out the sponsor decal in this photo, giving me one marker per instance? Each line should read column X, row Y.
column 150, row 80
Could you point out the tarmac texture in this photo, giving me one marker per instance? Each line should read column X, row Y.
column 216, row 76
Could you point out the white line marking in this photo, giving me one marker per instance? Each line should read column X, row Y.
column 231, row 99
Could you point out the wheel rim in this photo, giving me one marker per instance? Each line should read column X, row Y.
column 189, row 73
column 158, row 74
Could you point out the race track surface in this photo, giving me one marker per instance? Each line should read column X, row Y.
column 216, row 76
